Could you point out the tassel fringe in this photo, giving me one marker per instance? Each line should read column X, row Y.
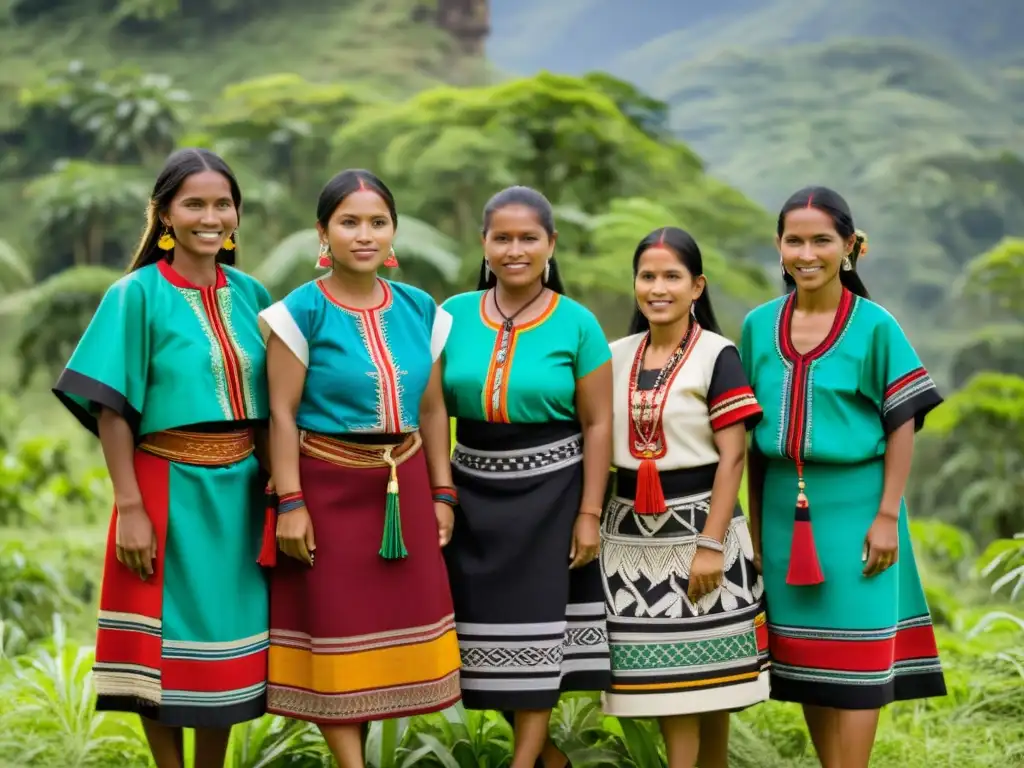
column 650, row 498
column 804, row 566
column 268, row 550
column 392, row 547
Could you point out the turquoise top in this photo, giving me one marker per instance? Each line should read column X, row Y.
column 839, row 402
column 546, row 358
column 366, row 369
column 165, row 354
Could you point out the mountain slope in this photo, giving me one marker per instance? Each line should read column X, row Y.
column 637, row 40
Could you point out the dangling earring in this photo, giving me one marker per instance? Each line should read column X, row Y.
column 487, row 270
column 326, row 260
column 166, row 242
column 782, row 267
column 547, row 272
column 391, row 261
column 229, row 244
column 847, row 263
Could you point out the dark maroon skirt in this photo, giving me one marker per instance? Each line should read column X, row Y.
column 356, row 637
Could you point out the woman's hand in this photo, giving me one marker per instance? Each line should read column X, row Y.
column 705, row 573
column 882, row 544
column 295, row 535
column 586, row 540
column 445, row 522
column 135, row 539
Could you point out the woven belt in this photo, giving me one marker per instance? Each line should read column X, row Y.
column 204, row 449
column 358, row 455
column 368, row 456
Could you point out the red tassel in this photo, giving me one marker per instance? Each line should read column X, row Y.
column 650, row 499
column 268, row 550
column 804, row 567
column 391, row 261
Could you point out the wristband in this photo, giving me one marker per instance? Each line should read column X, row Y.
column 592, row 511
column 289, row 501
column 446, row 494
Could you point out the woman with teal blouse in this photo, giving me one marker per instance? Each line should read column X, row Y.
column 527, row 375
column 843, row 393
column 170, row 375
column 361, row 621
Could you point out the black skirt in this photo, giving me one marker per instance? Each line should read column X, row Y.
column 529, row 628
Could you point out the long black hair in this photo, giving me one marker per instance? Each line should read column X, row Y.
column 179, row 166
column 687, row 251
column 534, row 200
column 344, row 184
column 831, row 202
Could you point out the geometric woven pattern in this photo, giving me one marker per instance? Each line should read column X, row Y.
column 511, row 657
column 692, row 653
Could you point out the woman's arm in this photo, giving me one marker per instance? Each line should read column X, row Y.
column 755, row 494
column 436, row 431
column 135, row 542
column 594, row 407
column 732, row 447
column 899, row 456
column 883, row 538
column 286, row 377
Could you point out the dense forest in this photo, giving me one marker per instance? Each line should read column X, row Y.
column 922, row 134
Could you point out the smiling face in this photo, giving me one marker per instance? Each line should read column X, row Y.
column 516, row 246
column 202, row 215
column 664, row 287
column 359, row 232
column 812, row 250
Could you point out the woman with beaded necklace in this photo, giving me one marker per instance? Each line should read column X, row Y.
column 685, row 616
column 527, row 376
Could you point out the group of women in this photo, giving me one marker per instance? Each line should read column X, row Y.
column 394, row 574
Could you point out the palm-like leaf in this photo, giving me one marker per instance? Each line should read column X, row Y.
column 14, row 272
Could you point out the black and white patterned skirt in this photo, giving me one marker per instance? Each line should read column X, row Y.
column 529, row 628
column 671, row 655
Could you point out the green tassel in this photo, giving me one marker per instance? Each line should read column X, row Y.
column 392, row 547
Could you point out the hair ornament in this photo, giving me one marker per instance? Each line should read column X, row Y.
column 862, row 238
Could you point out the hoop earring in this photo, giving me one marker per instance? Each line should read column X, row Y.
column 847, row 263
column 547, row 272
column 166, row 241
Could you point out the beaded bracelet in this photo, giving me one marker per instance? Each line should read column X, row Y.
column 290, row 501
column 708, row 542
column 446, row 494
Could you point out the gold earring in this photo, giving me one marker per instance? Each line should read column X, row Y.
column 229, row 244
column 166, row 242
column 847, row 263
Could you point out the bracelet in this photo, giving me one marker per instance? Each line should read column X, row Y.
column 446, row 494
column 592, row 511
column 287, row 502
column 709, row 542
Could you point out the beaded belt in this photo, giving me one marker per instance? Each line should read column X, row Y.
column 204, row 449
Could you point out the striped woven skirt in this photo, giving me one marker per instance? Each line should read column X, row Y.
column 851, row 642
column 358, row 637
column 529, row 628
column 670, row 655
column 171, row 648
